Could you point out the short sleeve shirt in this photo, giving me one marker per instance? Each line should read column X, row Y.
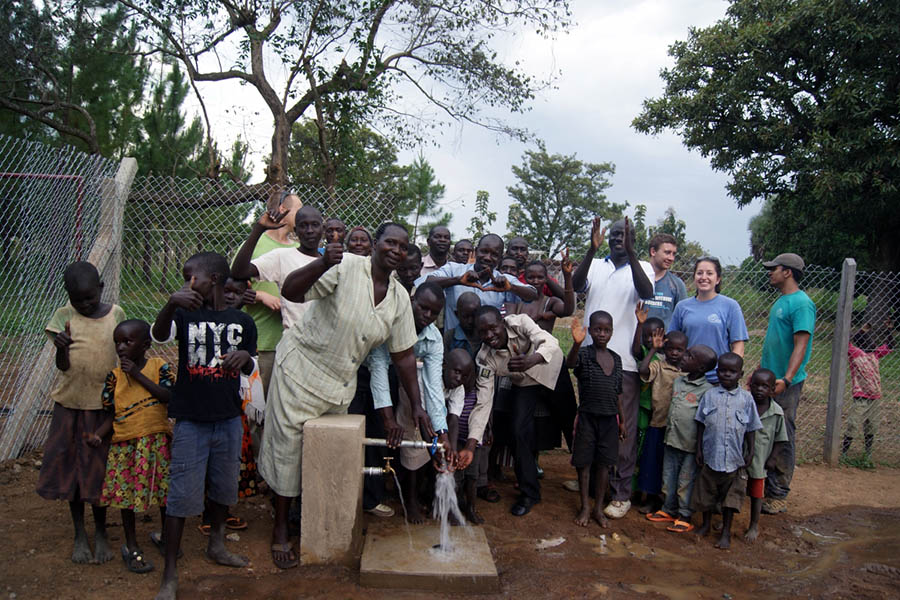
column 662, row 375
column 92, row 355
column 452, row 293
column 790, row 314
column 667, row 292
column 324, row 350
column 773, row 430
column 612, row 289
column 136, row 412
column 268, row 322
column 681, row 428
column 598, row 393
column 716, row 323
column 726, row 415
column 275, row 266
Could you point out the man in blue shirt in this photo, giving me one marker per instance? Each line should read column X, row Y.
column 785, row 352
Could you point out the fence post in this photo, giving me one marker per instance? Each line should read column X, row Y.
column 106, row 255
column 838, row 377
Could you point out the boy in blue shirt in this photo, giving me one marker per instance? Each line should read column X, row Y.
column 726, row 425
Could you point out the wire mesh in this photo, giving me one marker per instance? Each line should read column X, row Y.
column 50, row 216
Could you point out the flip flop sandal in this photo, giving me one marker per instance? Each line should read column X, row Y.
column 134, row 561
column 488, row 494
column 661, row 516
column 204, row 529
column 156, row 538
column 235, row 523
column 680, row 526
column 291, row 562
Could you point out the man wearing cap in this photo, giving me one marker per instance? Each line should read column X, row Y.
column 785, row 352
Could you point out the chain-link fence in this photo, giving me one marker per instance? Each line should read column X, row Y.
column 56, row 206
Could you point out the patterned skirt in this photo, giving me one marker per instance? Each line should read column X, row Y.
column 137, row 473
column 249, row 477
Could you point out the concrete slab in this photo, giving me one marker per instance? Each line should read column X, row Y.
column 401, row 561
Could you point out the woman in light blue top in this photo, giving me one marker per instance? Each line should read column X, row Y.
column 710, row 318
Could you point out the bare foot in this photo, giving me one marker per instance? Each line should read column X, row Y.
column 474, row 516
column 601, row 519
column 102, row 553
column 703, row 530
column 584, row 517
column 81, row 552
column 414, row 513
column 167, row 590
column 222, row 556
column 751, row 534
column 724, row 542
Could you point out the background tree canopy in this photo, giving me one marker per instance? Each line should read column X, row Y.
column 799, row 102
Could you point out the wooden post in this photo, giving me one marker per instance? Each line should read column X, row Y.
column 36, row 382
column 838, row 378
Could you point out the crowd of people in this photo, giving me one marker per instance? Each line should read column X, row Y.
column 454, row 347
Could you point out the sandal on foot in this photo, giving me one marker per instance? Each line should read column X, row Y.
column 204, row 528
column 680, row 526
column 291, row 562
column 661, row 516
column 134, row 561
column 156, row 538
column 235, row 523
column 488, row 494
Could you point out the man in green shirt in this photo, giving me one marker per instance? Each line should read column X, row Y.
column 785, row 352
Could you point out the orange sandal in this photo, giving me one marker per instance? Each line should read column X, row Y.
column 661, row 516
column 680, row 526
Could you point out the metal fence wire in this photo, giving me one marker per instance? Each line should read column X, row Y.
column 53, row 213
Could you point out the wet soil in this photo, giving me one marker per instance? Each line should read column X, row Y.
column 840, row 539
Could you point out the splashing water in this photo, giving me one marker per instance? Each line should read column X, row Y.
column 445, row 503
column 405, row 516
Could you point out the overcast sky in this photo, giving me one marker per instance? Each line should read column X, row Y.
column 608, row 63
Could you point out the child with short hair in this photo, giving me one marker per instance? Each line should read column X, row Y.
column 461, row 397
column 865, row 376
column 679, row 462
column 640, row 348
column 215, row 344
column 74, row 462
column 601, row 422
column 136, row 395
column 661, row 375
column 772, row 434
column 726, row 438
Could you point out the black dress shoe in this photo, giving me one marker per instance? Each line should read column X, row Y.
column 523, row 506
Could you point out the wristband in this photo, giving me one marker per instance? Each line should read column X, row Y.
column 787, row 382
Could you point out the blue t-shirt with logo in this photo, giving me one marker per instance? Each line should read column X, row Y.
column 667, row 292
column 716, row 323
column 791, row 313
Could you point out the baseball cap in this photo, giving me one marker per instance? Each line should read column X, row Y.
column 788, row 259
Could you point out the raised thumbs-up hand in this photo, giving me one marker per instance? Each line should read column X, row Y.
column 187, row 297
column 520, row 362
column 334, row 250
column 63, row 339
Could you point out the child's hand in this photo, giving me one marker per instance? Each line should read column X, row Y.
column 269, row 301
column 235, row 361
column 623, row 433
column 63, row 339
column 91, row 439
column 128, row 366
column 578, row 332
column 699, row 458
column 334, row 250
column 272, row 219
column 641, row 312
column 597, row 235
column 658, row 337
column 248, row 297
column 187, row 297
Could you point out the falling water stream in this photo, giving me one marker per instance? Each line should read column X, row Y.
column 403, row 504
column 445, row 504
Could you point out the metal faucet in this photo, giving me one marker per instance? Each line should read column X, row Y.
column 387, row 469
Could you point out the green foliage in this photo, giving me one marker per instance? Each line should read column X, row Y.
column 688, row 251
column 797, row 101
column 418, row 208
column 483, row 218
column 556, row 198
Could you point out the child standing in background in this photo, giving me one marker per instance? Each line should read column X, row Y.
column 865, row 374
column 136, row 394
column 74, row 462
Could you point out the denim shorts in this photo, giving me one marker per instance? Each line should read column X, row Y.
column 204, row 455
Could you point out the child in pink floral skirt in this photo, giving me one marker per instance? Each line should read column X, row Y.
column 137, row 468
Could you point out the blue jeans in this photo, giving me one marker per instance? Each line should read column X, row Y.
column 679, row 468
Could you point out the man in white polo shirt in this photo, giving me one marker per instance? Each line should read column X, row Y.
column 616, row 284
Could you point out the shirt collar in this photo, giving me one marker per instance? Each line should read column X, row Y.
column 431, row 333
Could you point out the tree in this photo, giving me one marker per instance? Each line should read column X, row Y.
column 797, row 100
column 363, row 49
column 483, row 217
column 688, row 251
column 418, row 209
column 69, row 69
column 556, row 198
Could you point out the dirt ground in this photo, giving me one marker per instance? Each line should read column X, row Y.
column 841, row 539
